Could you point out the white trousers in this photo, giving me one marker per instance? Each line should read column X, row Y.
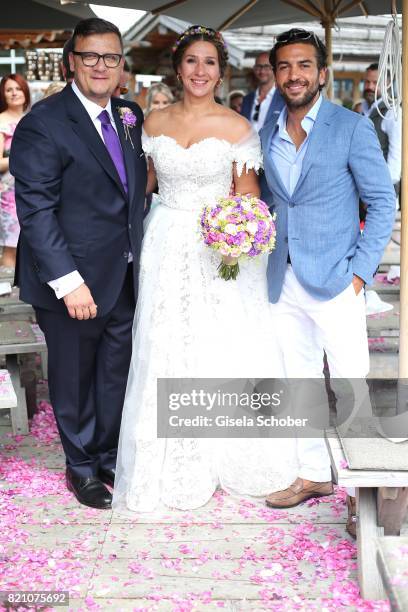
column 307, row 326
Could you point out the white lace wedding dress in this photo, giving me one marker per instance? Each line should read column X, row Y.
column 190, row 323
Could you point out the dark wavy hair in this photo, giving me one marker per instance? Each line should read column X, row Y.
column 94, row 25
column 22, row 83
column 192, row 35
column 296, row 36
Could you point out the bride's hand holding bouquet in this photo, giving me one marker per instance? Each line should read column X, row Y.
column 238, row 227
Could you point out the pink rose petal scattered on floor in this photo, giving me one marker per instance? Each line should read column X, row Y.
column 288, row 555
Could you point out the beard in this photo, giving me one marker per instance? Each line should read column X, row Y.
column 369, row 96
column 308, row 96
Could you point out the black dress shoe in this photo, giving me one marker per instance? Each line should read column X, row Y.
column 89, row 491
column 107, row 476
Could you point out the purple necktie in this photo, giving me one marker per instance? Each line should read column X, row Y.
column 111, row 140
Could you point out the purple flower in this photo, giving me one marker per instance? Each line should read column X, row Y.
column 129, row 119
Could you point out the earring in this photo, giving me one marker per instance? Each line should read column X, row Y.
column 220, row 82
column 179, row 77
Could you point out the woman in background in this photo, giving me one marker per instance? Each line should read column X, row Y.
column 14, row 102
column 159, row 96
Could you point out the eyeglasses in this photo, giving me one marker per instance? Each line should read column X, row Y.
column 257, row 108
column 90, row 59
column 296, row 34
column 262, row 67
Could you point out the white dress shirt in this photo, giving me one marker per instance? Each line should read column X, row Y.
column 393, row 128
column 71, row 281
column 263, row 109
column 287, row 159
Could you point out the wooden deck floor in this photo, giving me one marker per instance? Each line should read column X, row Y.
column 231, row 554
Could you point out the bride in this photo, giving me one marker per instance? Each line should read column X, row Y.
column 190, row 323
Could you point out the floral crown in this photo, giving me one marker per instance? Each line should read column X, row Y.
column 197, row 29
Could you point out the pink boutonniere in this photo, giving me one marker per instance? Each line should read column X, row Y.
column 129, row 121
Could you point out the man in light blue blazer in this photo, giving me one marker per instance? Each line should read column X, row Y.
column 319, row 158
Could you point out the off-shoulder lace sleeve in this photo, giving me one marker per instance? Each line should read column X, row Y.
column 247, row 152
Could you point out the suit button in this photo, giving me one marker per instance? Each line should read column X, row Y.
column 130, row 226
column 291, row 204
column 286, row 239
column 125, row 254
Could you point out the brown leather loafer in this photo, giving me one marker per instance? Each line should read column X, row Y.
column 297, row 493
column 352, row 516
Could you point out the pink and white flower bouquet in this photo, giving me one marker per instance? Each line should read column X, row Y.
column 238, row 227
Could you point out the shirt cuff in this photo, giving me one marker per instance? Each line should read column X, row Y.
column 67, row 283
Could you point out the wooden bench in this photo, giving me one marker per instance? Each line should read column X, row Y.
column 19, row 338
column 12, row 309
column 382, row 504
column 8, row 400
column 392, row 561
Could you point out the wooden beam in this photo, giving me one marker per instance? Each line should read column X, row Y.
column 403, row 349
column 228, row 22
column 364, row 9
column 348, row 6
column 305, row 6
column 336, row 7
column 309, row 4
column 367, row 532
column 392, row 504
column 327, row 23
column 166, row 7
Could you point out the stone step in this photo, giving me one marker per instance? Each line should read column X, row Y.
column 385, row 323
column 383, row 344
column 390, row 258
column 383, row 365
column 384, row 289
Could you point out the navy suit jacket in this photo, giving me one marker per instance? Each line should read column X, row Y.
column 73, row 210
column 276, row 105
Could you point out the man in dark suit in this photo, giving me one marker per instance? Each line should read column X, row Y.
column 261, row 105
column 80, row 186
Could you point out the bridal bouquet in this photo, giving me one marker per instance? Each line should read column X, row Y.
column 238, row 227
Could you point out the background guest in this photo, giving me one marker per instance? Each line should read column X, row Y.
column 159, row 96
column 389, row 129
column 122, row 89
column 53, row 88
column 235, row 100
column 14, row 101
column 260, row 105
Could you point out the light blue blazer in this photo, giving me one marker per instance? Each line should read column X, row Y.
column 319, row 223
